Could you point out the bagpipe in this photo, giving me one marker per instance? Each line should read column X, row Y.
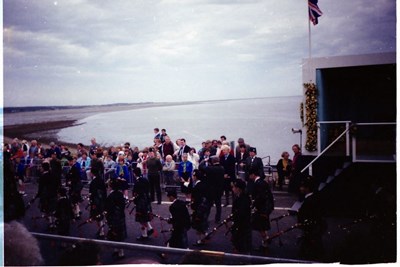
column 160, row 217
column 132, row 200
column 302, row 225
column 292, row 211
column 277, row 219
column 42, row 216
column 129, row 201
column 280, row 217
column 91, row 219
column 30, row 202
column 279, row 233
column 215, row 229
column 347, row 226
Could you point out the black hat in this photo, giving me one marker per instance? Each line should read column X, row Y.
column 69, row 158
column 172, row 192
column 253, row 149
column 239, row 184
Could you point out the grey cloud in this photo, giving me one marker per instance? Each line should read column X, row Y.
column 222, row 48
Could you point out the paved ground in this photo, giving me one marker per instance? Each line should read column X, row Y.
column 284, row 247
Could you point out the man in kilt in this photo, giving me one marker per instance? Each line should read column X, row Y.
column 312, row 223
column 263, row 205
column 98, row 194
column 64, row 213
column 200, row 206
column 142, row 200
column 47, row 194
column 241, row 218
column 180, row 220
column 73, row 180
column 115, row 215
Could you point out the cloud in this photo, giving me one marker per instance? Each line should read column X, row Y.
column 133, row 51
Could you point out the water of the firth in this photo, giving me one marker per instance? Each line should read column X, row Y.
column 264, row 123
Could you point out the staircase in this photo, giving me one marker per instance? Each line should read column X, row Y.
column 346, row 188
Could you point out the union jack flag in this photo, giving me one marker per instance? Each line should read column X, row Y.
column 313, row 11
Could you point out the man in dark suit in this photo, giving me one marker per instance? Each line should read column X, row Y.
column 214, row 179
column 263, row 205
column 228, row 162
column 180, row 220
column 183, row 149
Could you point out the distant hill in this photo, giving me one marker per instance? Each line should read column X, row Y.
column 46, row 108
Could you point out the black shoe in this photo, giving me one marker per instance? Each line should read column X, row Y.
column 199, row 243
column 115, row 255
column 261, row 248
column 150, row 232
column 101, row 237
column 142, row 238
column 162, row 256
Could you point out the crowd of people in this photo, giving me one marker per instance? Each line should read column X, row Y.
column 217, row 169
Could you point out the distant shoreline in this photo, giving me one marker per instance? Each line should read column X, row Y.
column 16, row 109
column 43, row 124
column 47, row 114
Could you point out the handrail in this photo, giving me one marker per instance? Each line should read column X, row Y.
column 250, row 258
column 332, row 122
column 269, row 159
column 376, row 123
column 354, row 143
column 323, row 152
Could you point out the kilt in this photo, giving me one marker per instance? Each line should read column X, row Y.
column 48, row 204
column 143, row 209
column 260, row 221
column 117, row 231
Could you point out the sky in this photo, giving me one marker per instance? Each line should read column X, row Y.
column 81, row 52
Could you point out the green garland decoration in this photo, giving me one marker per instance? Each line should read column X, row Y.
column 311, row 104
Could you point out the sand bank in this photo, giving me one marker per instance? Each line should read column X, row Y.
column 43, row 125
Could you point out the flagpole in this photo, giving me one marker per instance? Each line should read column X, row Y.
column 309, row 32
column 309, row 43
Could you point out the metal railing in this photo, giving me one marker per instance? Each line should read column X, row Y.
column 378, row 146
column 319, row 139
column 309, row 166
column 158, row 249
column 351, row 144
